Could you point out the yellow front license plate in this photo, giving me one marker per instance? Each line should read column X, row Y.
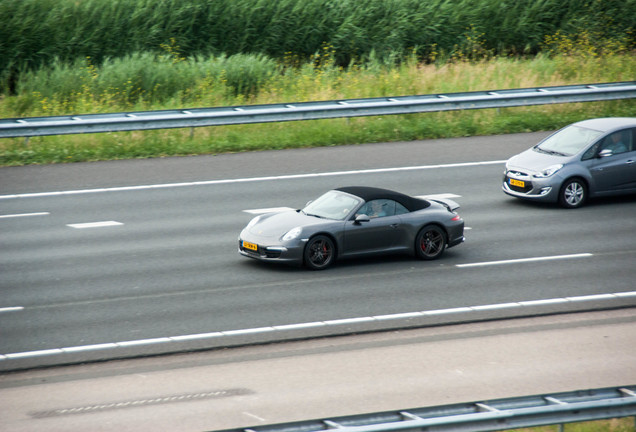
column 517, row 183
column 250, row 246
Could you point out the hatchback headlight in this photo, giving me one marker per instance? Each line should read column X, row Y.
column 549, row 171
column 292, row 234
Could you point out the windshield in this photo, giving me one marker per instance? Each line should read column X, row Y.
column 568, row 141
column 332, row 205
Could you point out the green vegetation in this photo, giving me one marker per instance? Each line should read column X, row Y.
column 75, row 57
column 36, row 33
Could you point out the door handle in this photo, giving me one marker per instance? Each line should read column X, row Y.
column 394, row 225
column 630, row 161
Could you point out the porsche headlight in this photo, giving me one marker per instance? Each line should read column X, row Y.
column 292, row 234
column 549, row 171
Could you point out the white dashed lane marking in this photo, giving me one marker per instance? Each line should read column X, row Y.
column 268, row 210
column 439, row 196
column 94, row 224
column 282, row 209
column 525, row 260
column 11, row 309
column 10, row 216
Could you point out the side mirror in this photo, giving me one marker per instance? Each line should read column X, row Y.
column 361, row 218
column 605, row 153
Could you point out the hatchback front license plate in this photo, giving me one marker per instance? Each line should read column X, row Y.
column 518, row 183
column 250, row 246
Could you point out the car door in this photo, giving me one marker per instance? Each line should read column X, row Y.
column 614, row 168
column 376, row 234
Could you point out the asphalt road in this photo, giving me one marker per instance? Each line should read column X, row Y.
column 326, row 378
column 162, row 260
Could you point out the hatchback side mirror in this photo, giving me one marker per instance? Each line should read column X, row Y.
column 605, row 153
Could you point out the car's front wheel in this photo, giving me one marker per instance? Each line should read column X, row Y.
column 430, row 242
column 573, row 193
column 319, row 252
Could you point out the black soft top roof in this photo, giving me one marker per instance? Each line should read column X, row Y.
column 371, row 193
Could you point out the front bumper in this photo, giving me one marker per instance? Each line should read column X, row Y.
column 274, row 253
column 535, row 189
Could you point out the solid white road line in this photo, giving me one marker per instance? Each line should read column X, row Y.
column 524, row 260
column 252, row 179
column 332, row 323
column 94, row 224
column 24, row 215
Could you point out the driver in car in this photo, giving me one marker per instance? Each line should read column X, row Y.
column 374, row 209
column 615, row 143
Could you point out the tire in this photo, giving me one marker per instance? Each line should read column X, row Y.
column 573, row 193
column 320, row 252
column 430, row 242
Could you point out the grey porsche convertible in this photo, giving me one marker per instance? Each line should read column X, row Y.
column 351, row 222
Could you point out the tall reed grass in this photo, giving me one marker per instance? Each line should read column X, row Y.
column 36, row 33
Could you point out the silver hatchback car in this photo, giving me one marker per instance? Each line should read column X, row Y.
column 586, row 159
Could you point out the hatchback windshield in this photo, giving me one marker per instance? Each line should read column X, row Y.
column 332, row 205
column 568, row 141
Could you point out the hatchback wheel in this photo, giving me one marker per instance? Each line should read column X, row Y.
column 573, row 193
column 430, row 242
column 319, row 252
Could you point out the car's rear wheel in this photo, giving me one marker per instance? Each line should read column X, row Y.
column 319, row 252
column 430, row 242
column 573, row 193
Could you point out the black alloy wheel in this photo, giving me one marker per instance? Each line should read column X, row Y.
column 430, row 242
column 319, row 252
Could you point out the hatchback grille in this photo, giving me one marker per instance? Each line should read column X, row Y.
column 525, row 189
column 518, row 173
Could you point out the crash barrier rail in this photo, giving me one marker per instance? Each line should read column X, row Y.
column 191, row 118
column 502, row 414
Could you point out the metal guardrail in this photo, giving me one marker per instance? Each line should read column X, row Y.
column 530, row 411
column 190, row 118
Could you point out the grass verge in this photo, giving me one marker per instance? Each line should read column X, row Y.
column 626, row 424
column 321, row 81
